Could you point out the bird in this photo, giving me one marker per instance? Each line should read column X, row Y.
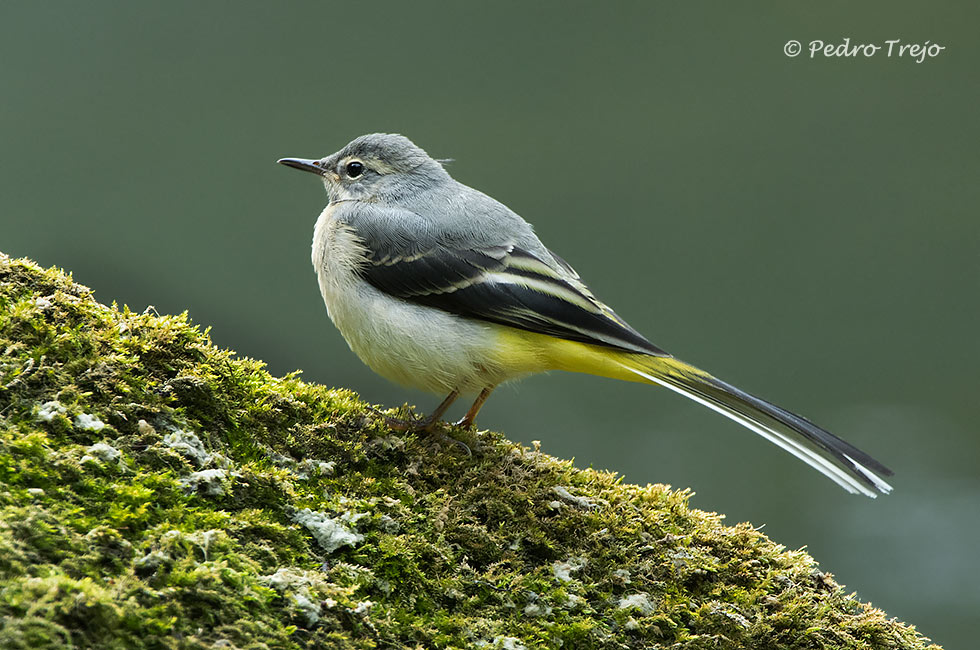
column 438, row 286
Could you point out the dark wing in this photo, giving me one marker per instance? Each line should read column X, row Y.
column 505, row 285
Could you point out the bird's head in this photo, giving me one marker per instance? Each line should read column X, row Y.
column 375, row 167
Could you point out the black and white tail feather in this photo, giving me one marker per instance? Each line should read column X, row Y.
column 837, row 459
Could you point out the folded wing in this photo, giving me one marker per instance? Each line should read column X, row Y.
column 506, row 285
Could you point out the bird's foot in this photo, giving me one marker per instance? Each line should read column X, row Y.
column 430, row 424
column 408, row 425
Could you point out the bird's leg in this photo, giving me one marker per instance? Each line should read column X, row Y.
column 429, row 424
column 426, row 423
column 470, row 418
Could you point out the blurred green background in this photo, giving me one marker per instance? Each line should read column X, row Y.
column 806, row 229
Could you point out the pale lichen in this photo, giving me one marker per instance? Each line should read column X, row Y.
column 208, row 482
column 50, row 409
column 188, row 444
column 102, row 452
column 640, row 602
column 329, row 532
column 563, row 570
column 89, row 422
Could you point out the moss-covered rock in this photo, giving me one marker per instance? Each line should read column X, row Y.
column 157, row 492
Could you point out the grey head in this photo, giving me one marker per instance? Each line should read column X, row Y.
column 382, row 167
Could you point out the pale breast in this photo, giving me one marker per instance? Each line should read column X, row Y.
column 410, row 344
column 337, row 254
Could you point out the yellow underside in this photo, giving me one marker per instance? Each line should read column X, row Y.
column 527, row 352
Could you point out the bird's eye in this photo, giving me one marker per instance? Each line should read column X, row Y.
column 354, row 169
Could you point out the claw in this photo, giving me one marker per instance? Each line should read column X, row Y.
column 459, row 443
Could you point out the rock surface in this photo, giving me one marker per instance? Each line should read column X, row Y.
column 157, row 492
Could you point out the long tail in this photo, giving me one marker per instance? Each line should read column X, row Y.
column 837, row 459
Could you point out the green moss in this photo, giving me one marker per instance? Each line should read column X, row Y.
column 157, row 492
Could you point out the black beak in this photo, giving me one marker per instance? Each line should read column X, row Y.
column 314, row 166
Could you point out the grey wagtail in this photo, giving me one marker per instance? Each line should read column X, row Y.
column 438, row 286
